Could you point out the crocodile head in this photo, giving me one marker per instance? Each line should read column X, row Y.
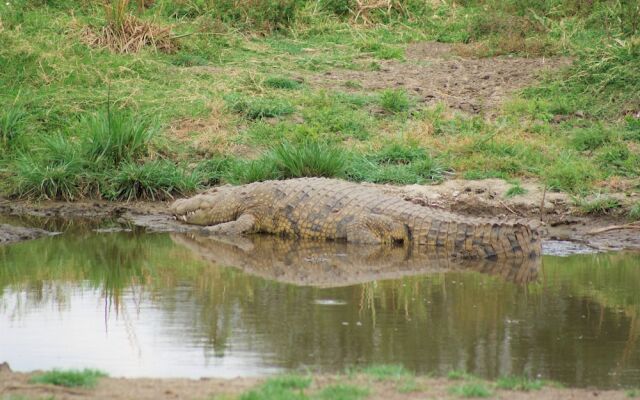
column 216, row 206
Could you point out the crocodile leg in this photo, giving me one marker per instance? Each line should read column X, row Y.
column 375, row 229
column 245, row 223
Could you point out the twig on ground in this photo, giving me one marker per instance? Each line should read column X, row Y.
column 633, row 225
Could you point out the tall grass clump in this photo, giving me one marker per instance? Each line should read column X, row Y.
column 309, row 158
column 115, row 137
column 153, row 180
column 55, row 170
column 247, row 171
column 394, row 101
column 11, row 123
column 86, row 378
column 123, row 32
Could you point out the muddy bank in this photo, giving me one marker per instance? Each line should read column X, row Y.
column 15, row 384
column 11, row 233
column 562, row 219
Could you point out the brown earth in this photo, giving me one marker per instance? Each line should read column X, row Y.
column 12, row 233
column 563, row 221
column 15, row 384
column 434, row 74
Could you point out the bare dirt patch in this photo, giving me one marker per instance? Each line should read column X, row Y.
column 434, row 74
column 17, row 384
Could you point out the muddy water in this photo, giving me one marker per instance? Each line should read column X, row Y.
column 174, row 305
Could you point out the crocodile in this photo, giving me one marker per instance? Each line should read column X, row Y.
column 331, row 209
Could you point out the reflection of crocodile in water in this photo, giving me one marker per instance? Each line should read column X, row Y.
column 317, row 208
column 332, row 264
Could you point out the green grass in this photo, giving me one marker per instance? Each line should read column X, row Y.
column 153, row 180
column 519, row 383
column 633, row 393
column 11, row 124
column 385, row 372
column 471, row 390
column 288, row 387
column 86, row 378
column 236, row 75
column 115, row 137
column 394, row 100
column 279, row 82
column 515, row 190
column 600, row 205
column 341, row 391
column 308, row 159
column 258, row 108
column 634, row 212
column 457, row 374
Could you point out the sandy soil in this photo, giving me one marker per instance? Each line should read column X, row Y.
column 562, row 220
column 17, row 384
column 434, row 74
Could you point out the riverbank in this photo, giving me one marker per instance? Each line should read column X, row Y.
column 589, row 222
column 371, row 383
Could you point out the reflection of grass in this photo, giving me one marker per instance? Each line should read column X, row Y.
column 70, row 378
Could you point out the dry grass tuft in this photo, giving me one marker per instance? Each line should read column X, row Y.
column 363, row 8
column 131, row 36
column 125, row 33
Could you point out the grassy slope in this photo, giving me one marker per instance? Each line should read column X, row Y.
column 228, row 87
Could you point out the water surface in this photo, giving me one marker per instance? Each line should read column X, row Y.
column 161, row 305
